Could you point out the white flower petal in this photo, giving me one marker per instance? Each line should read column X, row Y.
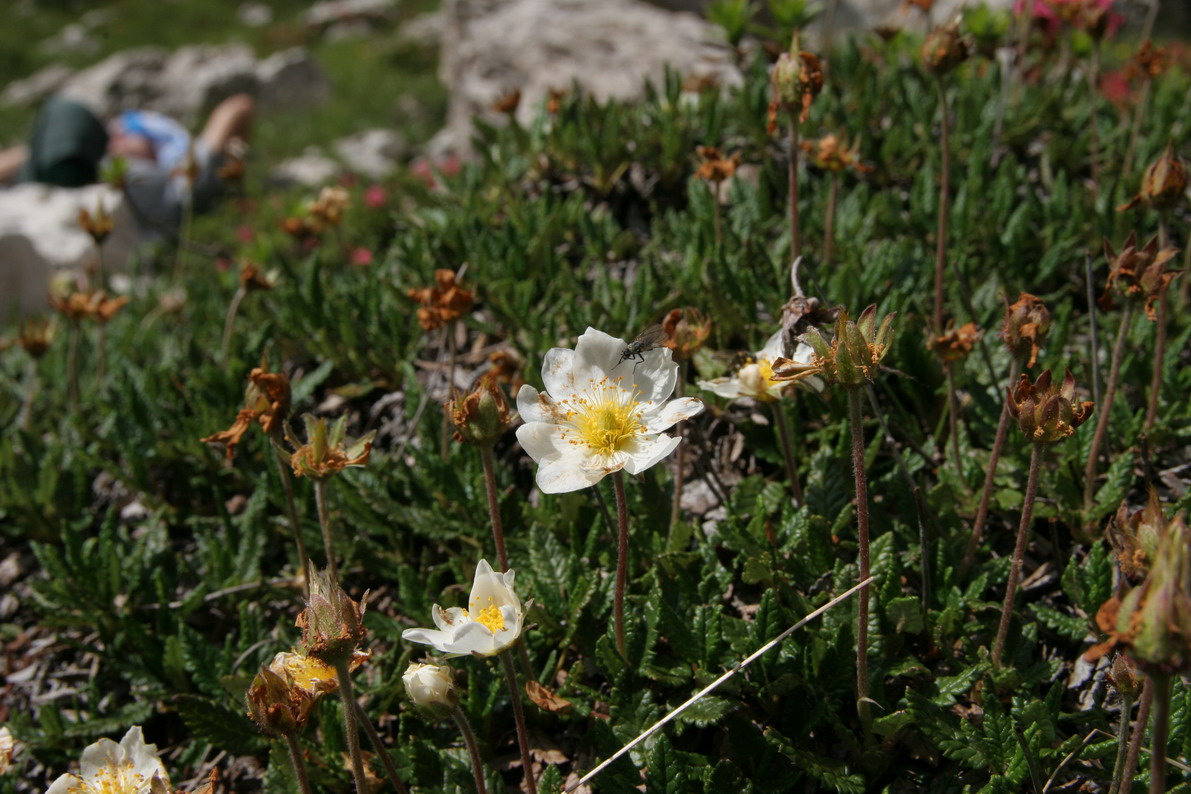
column 448, row 619
column 773, row 347
column 568, row 473
column 596, row 355
column 473, row 638
column 439, row 639
column 728, row 388
column 528, row 404
column 650, row 452
column 671, row 412
column 541, row 440
column 558, row 372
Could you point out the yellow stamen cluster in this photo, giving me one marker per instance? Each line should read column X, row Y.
column 111, row 780
column 605, row 420
column 491, row 617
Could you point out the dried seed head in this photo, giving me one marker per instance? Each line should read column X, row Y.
column 482, row 416
column 956, row 343
column 1163, row 183
column 1138, row 274
column 445, row 302
column 325, row 452
column 796, row 79
column 689, row 329
column 1134, row 537
column 943, row 50
column 1025, row 325
column 853, row 355
column 1045, row 411
column 332, row 623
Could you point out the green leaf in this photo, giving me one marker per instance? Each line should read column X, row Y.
column 219, row 725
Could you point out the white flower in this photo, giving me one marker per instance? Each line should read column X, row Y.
column 431, row 686
column 753, row 379
column 600, row 413
column 7, row 749
column 491, row 622
column 130, row 767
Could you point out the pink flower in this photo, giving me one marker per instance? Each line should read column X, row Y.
column 375, row 197
column 1052, row 14
column 361, row 257
column 244, row 234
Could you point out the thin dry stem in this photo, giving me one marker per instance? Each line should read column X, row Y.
column 622, row 561
column 506, row 661
column 1019, row 553
column 349, row 726
column 232, row 309
column 1105, row 409
column 1118, row 769
column 291, row 511
column 295, row 758
column 324, row 522
column 498, row 535
column 379, row 746
column 783, row 433
column 855, row 420
column 944, row 204
column 795, row 240
column 1159, row 333
column 829, row 221
column 473, row 752
column 1138, row 734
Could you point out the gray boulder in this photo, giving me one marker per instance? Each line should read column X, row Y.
column 36, row 86
column 312, row 169
column 291, row 80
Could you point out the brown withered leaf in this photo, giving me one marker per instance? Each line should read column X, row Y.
column 545, row 698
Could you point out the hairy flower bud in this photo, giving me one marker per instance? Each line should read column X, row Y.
column 1045, row 411
column 332, row 623
column 796, row 79
column 1134, row 537
column 1163, row 183
column 852, row 357
column 1026, row 323
column 432, row 687
column 482, row 416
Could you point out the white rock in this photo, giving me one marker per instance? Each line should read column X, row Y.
column 332, row 12
column 312, row 169
column 36, row 86
column 75, row 39
column 372, row 153
column 196, row 78
column 254, row 15
column 40, row 235
column 122, row 81
column 291, row 80
column 610, row 48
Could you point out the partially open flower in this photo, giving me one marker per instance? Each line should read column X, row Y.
column 957, row 343
column 99, row 225
column 714, row 167
column 329, row 207
column 325, row 452
column 754, row 378
column 796, row 79
column 482, row 416
column 266, row 401
column 944, row 49
column 591, row 422
column 490, row 624
column 688, row 329
column 445, row 302
column 332, row 623
column 130, row 767
column 282, row 694
column 1134, row 537
column 1163, row 183
column 1045, row 411
column 1025, row 325
column 1152, row 623
column 852, row 357
column 1138, row 274
column 432, row 687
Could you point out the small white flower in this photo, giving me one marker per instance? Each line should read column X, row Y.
column 130, row 767
column 491, row 622
column 753, row 379
column 600, row 413
column 431, row 686
column 7, row 749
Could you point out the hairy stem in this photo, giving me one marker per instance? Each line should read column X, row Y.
column 1159, row 332
column 990, row 475
column 291, row 511
column 1019, row 552
column 498, row 534
column 379, row 746
column 622, row 561
column 350, row 729
column 506, row 661
column 324, row 522
column 1138, row 734
column 232, row 309
column 1160, row 734
column 295, row 758
column 1118, row 768
column 72, row 366
column 795, row 241
column 473, row 752
column 680, row 453
column 30, row 394
column 953, row 420
column 1110, row 391
column 944, row 203
column 855, row 420
column 783, row 433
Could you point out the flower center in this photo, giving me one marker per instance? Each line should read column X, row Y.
column 491, row 617
column 118, row 779
column 606, row 420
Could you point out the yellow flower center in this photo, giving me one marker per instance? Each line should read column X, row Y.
column 118, row 779
column 491, row 617
column 606, row 419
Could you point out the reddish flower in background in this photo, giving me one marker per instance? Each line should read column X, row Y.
column 1096, row 16
column 245, row 234
column 361, row 257
column 375, row 197
column 1115, row 87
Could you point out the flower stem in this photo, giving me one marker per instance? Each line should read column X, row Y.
column 30, row 394
column 1118, row 768
column 324, row 522
column 469, row 739
column 295, row 758
column 855, row 419
column 232, row 309
column 829, row 222
column 449, row 331
column 1137, row 735
column 291, row 510
column 506, row 661
column 101, row 359
column 944, row 204
column 714, row 187
column 990, row 475
column 1110, row 391
column 622, row 561
column 1160, row 733
column 1139, row 111
column 953, row 421
column 1019, row 551
column 379, row 746
column 783, row 433
column 680, row 453
column 349, row 725
column 1159, row 332
column 72, row 366
column 795, row 242
column 498, row 535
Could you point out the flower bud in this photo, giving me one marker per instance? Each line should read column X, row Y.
column 332, row 623
column 852, row 357
column 1123, row 675
column 943, row 50
column 796, row 79
column 1163, row 183
column 326, row 453
column 1047, row 413
column 431, row 687
column 481, row 417
column 276, row 705
column 1026, row 323
column 1134, row 537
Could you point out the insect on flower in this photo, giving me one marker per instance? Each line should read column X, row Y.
column 651, row 337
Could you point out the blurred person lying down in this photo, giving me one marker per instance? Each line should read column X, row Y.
column 69, row 145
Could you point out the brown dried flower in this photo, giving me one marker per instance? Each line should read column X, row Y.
column 253, row 278
column 943, row 50
column 99, row 225
column 1134, row 537
column 94, row 305
column 851, row 358
column 796, row 79
column 714, row 167
column 956, row 343
column 266, row 402
column 1138, row 274
column 36, row 335
column 1026, row 323
column 326, row 453
column 833, row 154
column 1162, row 184
column 688, row 329
column 508, row 102
column 1149, row 62
column 443, row 303
column 1045, row 411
